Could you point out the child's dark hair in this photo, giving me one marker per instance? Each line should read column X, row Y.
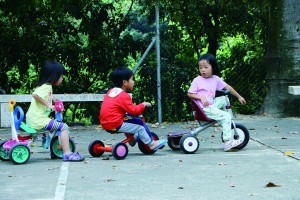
column 50, row 73
column 212, row 61
column 119, row 75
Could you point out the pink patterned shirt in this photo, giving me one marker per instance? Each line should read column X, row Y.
column 206, row 87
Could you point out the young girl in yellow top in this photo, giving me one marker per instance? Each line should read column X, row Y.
column 36, row 117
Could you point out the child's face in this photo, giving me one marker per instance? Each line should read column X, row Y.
column 205, row 69
column 59, row 81
column 128, row 85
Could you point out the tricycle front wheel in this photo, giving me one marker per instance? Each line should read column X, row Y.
column 144, row 148
column 19, row 154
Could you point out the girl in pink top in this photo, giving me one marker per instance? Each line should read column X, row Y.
column 203, row 89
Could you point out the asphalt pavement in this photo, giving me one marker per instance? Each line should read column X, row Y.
column 267, row 168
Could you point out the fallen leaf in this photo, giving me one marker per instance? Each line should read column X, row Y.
column 251, row 128
column 253, row 194
column 288, row 153
column 284, row 138
column 180, row 187
column 105, row 158
column 293, row 132
column 221, row 163
column 270, row 184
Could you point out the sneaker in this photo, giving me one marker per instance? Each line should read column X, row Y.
column 73, row 157
column 231, row 144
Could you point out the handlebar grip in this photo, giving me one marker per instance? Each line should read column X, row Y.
column 59, row 106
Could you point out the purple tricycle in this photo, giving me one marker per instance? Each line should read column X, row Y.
column 188, row 142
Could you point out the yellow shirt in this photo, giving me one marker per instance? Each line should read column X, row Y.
column 36, row 115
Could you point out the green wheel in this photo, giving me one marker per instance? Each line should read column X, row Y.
column 4, row 156
column 19, row 154
column 56, row 148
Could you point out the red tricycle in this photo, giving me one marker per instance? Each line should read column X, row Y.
column 120, row 149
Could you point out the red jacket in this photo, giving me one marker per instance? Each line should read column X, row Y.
column 115, row 105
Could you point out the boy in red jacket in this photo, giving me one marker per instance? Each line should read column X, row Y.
column 117, row 111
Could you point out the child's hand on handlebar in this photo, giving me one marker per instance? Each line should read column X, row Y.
column 51, row 107
column 59, row 106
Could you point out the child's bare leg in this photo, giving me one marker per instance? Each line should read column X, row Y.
column 64, row 139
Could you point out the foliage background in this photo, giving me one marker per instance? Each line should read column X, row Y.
column 91, row 38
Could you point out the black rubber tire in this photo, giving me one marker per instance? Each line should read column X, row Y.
column 93, row 148
column 174, row 143
column 4, row 156
column 243, row 134
column 144, row 147
column 241, row 129
column 119, row 147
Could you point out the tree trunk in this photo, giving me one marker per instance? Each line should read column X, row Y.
column 283, row 58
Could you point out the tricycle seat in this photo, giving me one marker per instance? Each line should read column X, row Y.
column 198, row 113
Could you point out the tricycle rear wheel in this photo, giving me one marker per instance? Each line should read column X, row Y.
column 4, row 156
column 189, row 143
column 93, row 148
column 174, row 143
column 120, row 151
column 56, row 150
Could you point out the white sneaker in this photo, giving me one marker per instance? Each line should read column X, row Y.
column 231, row 144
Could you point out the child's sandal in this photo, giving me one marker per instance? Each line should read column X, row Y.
column 73, row 157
